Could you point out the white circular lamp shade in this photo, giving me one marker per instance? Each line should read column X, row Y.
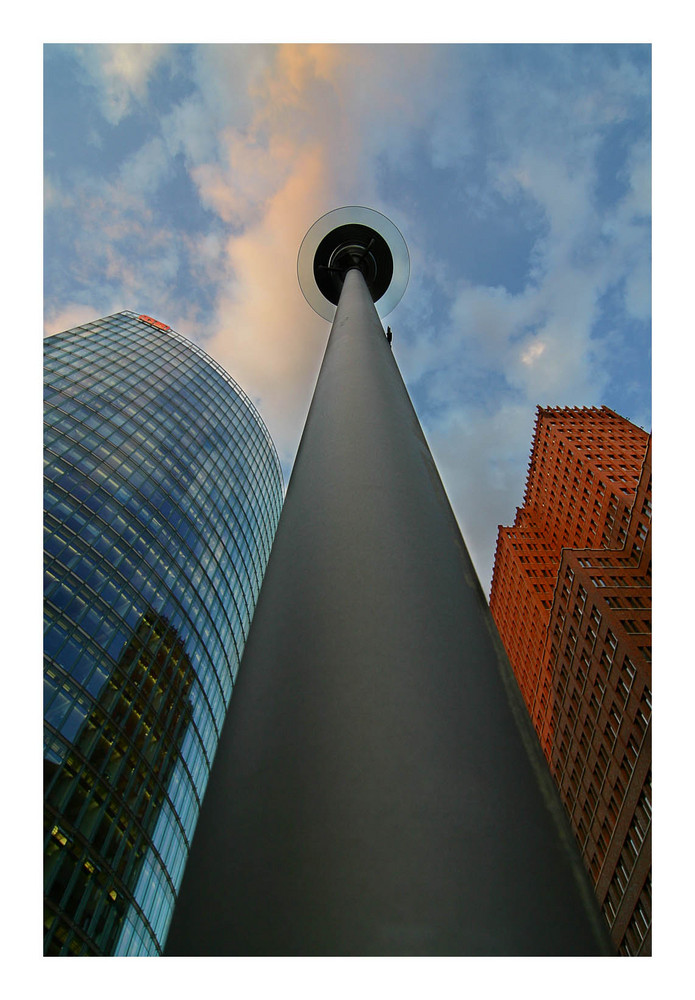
column 344, row 220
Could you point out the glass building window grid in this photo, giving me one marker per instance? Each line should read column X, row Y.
column 71, row 681
column 217, row 402
column 87, row 853
column 242, row 488
column 215, row 707
column 232, row 593
column 124, row 808
column 165, row 345
column 148, row 943
column 154, row 554
column 247, row 540
column 101, row 858
column 276, row 502
column 258, row 423
column 100, row 773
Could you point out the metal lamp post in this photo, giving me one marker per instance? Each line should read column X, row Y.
column 378, row 788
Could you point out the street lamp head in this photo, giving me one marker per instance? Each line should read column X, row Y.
column 346, row 238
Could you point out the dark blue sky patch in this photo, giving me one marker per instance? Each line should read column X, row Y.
column 629, row 389
column 623, row 350
column 78, row 139
column 465, row 386
column 610, row 309
column 199, row 295
column 488, row 239
column 612, row 180
column 171, row 82
column 71, row 118
column 176, row 202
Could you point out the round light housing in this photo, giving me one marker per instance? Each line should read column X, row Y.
column 349, row 237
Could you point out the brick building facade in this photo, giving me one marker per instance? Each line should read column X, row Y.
column 571, row 596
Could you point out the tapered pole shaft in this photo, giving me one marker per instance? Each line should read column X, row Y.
column 378, row 788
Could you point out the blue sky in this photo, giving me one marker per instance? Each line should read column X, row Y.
column 179, row 177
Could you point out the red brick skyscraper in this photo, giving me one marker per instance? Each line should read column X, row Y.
column 571, row 596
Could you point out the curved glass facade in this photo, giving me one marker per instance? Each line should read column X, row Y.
column 162, row 494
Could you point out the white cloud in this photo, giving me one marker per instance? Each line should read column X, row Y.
column 533, row 352
column 299, row 138
column 141, row 174
column 71, row 315
column 122, row 72
column 483, row 460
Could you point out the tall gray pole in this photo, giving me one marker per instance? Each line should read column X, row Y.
column 378, row 788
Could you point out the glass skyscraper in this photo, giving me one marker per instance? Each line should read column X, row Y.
column 162, row 494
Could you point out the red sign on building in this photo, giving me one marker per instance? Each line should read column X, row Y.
column 153, row 322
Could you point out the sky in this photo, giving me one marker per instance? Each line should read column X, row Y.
column 181, row 179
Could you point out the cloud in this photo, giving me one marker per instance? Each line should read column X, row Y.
column 266, row 334
column 122, row 73
column 142, row 173
column 482, row 459
column 541, row 344
column 533, row 352
column 71, row 315
column 307, row 133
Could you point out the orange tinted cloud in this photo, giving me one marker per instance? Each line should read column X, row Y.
column 69, row 316
column 272, row 180
column 268, row 337
column 283, row 135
